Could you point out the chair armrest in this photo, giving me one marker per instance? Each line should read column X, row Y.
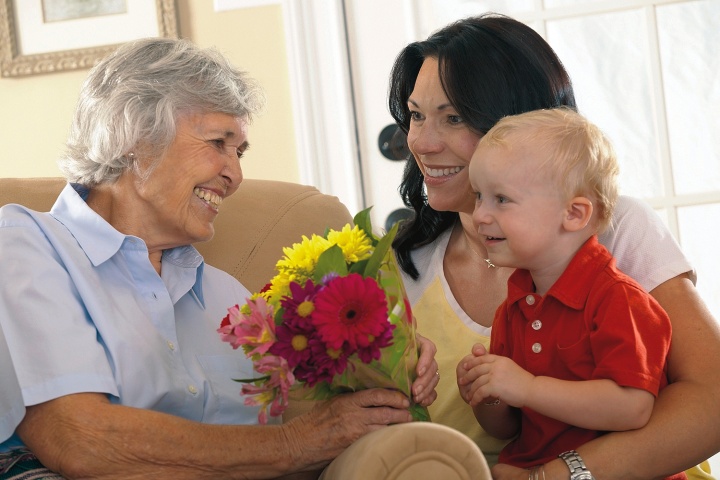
column 411, row 451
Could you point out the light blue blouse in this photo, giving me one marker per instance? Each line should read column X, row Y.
column 12, row 407
column 83, row 310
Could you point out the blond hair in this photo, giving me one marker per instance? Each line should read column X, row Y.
column 580, row 158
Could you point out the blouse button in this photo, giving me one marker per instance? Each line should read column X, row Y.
column 537, row 325
column 170, row 345
column 192, row 389
column 530, row 300
column 536, row 348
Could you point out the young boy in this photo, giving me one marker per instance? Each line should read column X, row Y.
column 577, row 348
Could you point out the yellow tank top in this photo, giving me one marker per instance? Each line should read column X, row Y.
column 453, row 339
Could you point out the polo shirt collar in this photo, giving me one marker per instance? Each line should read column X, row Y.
column 573, row 287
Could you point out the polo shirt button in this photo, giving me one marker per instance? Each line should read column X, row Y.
column 537, row 325
column 170, row 345
column 536, row 348
column 192, row 389
column 530, row 300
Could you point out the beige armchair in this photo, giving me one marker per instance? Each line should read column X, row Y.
column 250, row 231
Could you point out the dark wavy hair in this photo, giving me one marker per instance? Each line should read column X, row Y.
column 490, row 66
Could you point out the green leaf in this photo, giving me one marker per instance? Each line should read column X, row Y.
column 331, row 260
column 419, row 413
column 382, row 248
column 278, row 318
column 251, row 380
column 359, row 267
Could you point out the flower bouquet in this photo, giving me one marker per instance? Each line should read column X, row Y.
column 334, row 319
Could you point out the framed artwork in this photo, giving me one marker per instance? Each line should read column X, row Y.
column 45, row 36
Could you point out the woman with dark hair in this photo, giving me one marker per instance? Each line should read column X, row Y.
column 445, row 93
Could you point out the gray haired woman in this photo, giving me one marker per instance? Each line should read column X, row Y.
column 111, row 313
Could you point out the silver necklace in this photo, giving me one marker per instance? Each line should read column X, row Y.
column 469, row 244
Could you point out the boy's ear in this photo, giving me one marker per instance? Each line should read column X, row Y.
column 578, row 214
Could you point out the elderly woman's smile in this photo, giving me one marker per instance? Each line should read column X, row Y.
column 211, row 198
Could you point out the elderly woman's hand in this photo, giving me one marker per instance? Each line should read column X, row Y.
column 428, row 376
column 331, row 426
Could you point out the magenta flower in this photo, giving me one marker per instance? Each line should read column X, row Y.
column 350, row 309
column 299, row 305
column 324, row 363
column 372, row 351
column 293, row 341
column 255, row 332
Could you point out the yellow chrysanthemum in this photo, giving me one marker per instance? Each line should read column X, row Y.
column 301, row 258
column 353, row 242
column 279, row 287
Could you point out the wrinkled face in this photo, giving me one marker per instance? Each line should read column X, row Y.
column 178, row 201
column 441, row 142
column 518, row 209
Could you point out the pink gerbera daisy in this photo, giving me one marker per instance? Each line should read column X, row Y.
column 350, row 309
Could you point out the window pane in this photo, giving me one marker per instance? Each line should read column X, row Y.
column 440, row 12
column 566, row 3
column 691, row 77
column 607, row 56
column 699, row 232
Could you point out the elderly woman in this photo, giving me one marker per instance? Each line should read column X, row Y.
column 111, row 313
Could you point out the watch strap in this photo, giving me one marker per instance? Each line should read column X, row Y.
column 578, row 470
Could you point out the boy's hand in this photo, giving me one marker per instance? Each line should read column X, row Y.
column 483, row 377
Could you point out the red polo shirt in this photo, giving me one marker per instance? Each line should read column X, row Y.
column 594, row 323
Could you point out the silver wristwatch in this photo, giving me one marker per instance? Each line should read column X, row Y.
column 578, row 470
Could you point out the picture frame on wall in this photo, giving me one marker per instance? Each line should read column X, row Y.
column 46, row 36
